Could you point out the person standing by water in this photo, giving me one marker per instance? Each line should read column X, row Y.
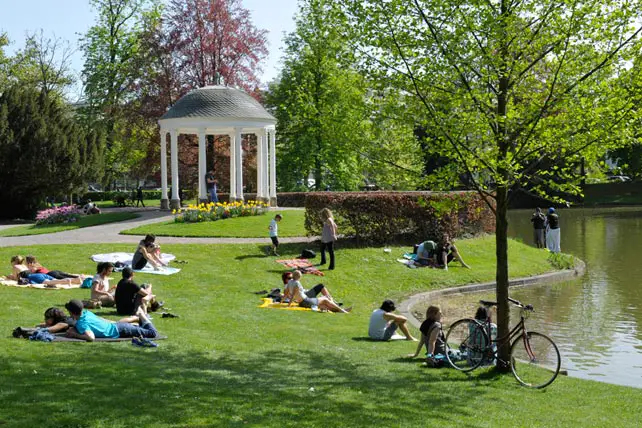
column 328, row 236
column 539, row 228
column 553, row 231
column 211, row 182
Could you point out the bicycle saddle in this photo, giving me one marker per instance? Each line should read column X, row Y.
column 488, row 303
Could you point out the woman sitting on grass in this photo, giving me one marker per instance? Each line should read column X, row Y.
column 100, row 289
column 432, row 336
column 36, row 267
column 447, row 252
column 295, row 292
column 147, row 252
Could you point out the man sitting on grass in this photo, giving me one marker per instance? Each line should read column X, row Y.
column 89, row 327
column 131, row 296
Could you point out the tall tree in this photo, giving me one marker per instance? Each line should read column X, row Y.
column 320, row 105
column 506, row 85
column 43, row 150
column 112, row 49
column 216, row 42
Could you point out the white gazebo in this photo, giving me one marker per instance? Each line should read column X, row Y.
column 220, row 110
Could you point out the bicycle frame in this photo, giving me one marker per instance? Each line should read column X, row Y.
column 519, row 328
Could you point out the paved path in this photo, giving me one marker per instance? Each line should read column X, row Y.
column 109, row 233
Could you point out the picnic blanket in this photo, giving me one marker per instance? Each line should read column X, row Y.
column 60, row 337
column 269, row 304
column 11, row 283
column 126, row 258
column 303, row 265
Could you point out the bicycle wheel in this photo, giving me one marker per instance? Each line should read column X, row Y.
column 535, row 360
column 466, row 345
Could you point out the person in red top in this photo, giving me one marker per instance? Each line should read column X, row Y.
column 36, row 267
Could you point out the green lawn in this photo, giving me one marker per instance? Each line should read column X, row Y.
column 239, row 227
column 111, row 204
column 85, row 221
column 228, row 363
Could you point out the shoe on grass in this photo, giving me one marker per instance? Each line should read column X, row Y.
column 143, row 342
column 169, row 315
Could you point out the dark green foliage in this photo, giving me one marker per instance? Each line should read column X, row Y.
column 43, row 151
column 382, row 217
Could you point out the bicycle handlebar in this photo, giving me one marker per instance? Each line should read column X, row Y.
column 489, row 303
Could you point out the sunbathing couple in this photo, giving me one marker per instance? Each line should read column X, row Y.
column 85, row 325
column 431, row 254
column 295, row 293
column 127, row 296
column 28, row 269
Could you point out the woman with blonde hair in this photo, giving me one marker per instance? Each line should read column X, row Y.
column 17, row 267
column 328, row 236
column 431, row 334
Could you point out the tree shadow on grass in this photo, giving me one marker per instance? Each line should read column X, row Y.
column 119, row 385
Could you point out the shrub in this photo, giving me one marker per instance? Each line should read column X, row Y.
column 58, row 215
column 380, row 217
column 561, row 261
column 218, row 211
column 291, row 199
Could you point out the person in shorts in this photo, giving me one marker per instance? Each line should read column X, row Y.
column 384, row 324
column 295, row 293
column 274, row 233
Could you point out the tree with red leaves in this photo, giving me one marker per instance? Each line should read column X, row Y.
column 215, row 42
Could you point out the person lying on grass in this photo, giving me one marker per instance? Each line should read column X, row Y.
column 89, row 326
column 56, row 321
column 147, row 252
column 17, row 265
column 44, row 279
column 295, row 293
column 100, row 289
column 384, row 324
column 432, row 335
column 131, row 296
column 36, row 267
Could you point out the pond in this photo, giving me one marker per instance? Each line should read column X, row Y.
column 597, row 320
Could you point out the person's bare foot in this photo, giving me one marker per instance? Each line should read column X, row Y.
column 348, row 310
column 412, row 339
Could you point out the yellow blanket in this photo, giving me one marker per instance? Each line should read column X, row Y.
column 268, row 303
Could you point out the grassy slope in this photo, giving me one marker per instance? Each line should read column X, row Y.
column 239, row 227
column 228, row 363
column 85, row 221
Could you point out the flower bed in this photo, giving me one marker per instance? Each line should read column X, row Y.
column 58, row 215
column 218, row 211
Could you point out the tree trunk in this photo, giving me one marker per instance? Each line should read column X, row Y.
column 501, row 277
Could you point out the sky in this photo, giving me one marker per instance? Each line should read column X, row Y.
column 68, row 19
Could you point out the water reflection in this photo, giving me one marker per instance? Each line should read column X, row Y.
column 596, row 320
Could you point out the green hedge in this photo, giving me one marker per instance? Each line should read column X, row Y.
column 381, row 217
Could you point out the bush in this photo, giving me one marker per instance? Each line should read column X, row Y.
column 58, row 215
column 291, row 199
column 561, row 261
column 218, row 211
column 380, row 217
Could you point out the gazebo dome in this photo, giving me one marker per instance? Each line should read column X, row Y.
column 218, row 102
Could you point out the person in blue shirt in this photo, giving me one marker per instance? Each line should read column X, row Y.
column 90, row 327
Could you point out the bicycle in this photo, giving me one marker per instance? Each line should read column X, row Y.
column 534, row 358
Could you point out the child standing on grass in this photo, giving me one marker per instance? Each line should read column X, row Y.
column 274, row 233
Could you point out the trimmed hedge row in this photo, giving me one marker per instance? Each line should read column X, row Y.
column 381, row 217
column 291, row 199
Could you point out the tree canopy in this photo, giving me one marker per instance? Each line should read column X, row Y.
column 507, row 86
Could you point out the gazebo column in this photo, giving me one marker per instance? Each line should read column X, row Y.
column 238, row 153
column 266, row 168
column 273, row 201
column 163, row 161
column 175, row 203
column 232, row 196
column 260, row 194
column 202, row 165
